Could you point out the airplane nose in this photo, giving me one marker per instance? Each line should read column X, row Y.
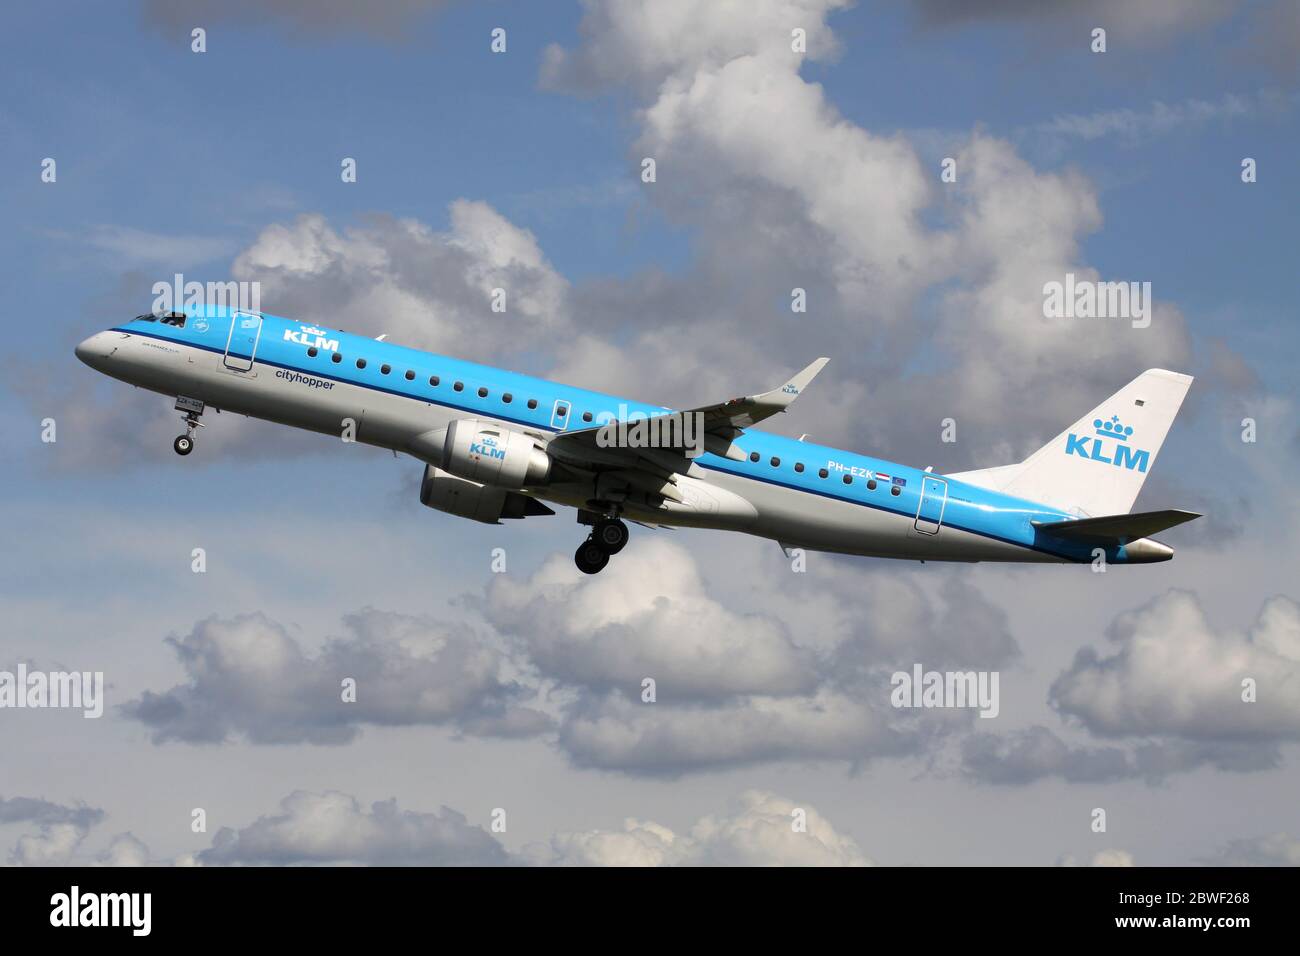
column 94, row 350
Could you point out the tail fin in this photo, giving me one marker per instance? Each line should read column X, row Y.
column 1097, row 465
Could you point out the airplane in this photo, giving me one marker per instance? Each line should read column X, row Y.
column 502, row 445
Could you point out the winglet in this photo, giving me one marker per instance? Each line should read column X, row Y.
column 781, row 398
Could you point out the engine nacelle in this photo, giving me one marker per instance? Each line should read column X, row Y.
column 469, row 499
column 492, row 454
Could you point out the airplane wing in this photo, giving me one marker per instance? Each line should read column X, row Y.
column 1116, row 528
column 722, row 424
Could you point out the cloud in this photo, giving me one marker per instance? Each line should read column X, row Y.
column 734, row 688
column 61, row 829
column 125, row 849
column 1173, row 674
column 757, row 829
column 44, row 812
column 1132, row 125
column 900, row 270
column 54, row 845
column 647, row 616
column 425, row 288
column 248, row 677
column 1035, row 753
column 613, row 733
column 1146, row 22
column 390, row 20
column 334, row 828
column 1101, row 858
column 1277, row 849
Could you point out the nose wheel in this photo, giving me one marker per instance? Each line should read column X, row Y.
column 608, row 536
column 193, row 408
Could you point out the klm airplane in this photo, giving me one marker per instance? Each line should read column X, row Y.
column 497, row 444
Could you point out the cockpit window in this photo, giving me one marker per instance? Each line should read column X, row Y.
column 167, row 318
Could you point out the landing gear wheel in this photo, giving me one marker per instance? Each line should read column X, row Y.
column 611, row 534
column 184, row 444
column 591, row 557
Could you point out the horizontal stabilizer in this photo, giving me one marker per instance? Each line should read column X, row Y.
column 1118, row 528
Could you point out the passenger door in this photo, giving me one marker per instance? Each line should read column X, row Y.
column 241, row 344
column 934, row 496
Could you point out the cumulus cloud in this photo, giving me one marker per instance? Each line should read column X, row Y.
column 648, row 615
column 248, row 677
column 614, row 733
column 335, row 828
column 758, row 828
column 125, row 849
column 427, row 288
column 857, row 220
column 1172, row 673
column 54, row 845
column 731, row 688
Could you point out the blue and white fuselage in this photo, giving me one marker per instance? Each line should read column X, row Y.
column 495, row 443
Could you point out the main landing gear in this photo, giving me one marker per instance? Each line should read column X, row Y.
column 608, row 536
column 193, row 408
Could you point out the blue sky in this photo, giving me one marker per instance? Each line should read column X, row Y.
column 170, row 161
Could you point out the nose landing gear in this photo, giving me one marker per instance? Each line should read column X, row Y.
column 608, row 537
column 193, row 408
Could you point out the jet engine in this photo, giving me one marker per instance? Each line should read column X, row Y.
column 469, row 499
column 486, row 453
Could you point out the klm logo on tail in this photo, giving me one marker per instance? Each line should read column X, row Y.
column 1113, row 435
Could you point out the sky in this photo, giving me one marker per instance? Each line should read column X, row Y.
column 499, row 718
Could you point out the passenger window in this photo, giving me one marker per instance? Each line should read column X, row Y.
column 776, row 462
column 871, row 484
column 753, row 456
column 895, row 491
column 361, row 363
column 385, row 369
column 848, row 479
column 532, row 403
column 433, row 380
column 822, row 472
column 586, row 416
column 798, row 466
column 410, row 376
column 311, row 352
column 507, row 398
column 336, row 358
column 482, row 393
column 458, row 387
column 561, row 411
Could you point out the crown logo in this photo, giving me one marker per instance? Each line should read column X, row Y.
column 1112, row 429
column 312, row 330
